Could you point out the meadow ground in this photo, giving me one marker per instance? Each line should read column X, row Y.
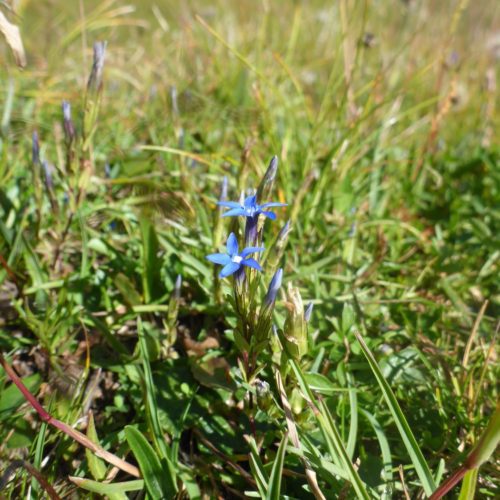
column 382, row 119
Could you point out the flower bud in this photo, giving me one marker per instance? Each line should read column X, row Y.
column 95, row 79
column 47, row 171
column 278, row 248
column 263, row 395
column 266, row 184
column 49, row 184
column 173, row 98
column 69, row 128
column 35, row 149
column 223, row 190
column 93, row 95
column 308, row 312
column 295, row 329
column 177, row 287
column 264, row 323
column 273, row 289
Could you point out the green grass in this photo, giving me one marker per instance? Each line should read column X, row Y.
column 388, row 161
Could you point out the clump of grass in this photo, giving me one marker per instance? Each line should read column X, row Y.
column 118, row 327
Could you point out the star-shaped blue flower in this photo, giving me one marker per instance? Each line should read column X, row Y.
column 250, row 208
column 233, row 260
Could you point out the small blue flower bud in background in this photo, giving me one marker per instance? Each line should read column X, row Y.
column 49, row 184
column 264, row 324
column 69, row 128
column 177, row 287
column 95, row 79
column 35, row 149
column 223, row 190
column 285, row 231
column 308, row 312
column 273, row 289
column 173, row 98
column 66, row 107
column 47, row 171
column 278, row 248
column 266, row 185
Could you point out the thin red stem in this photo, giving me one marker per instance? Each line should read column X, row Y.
column 450, row 483
column 68, row 430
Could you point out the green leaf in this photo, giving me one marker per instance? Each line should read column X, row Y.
column 258, row 471
column 108, row 489
column 155, row 477
column 468, row 490
column 409, row 440
column 384, row 448
column 151, row 263
column 332, row 436
column 11, row 398
column 273, row 493
column 96, row 465
column 487, row 443
column 331, row 433
column 130, row 295
column 39, row 448
column 353, row 425
column 320, row 383
column 152, row 406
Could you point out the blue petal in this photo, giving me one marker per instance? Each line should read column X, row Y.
column 273, row 204
column 269, row 215
column 219, row 258
column 229, row 204
column 250, row 201
column 252, row 263
column 249, row 250
column 231, row 268
column 234, row 211
column 232, row 245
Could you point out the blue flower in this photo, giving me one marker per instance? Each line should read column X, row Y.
column 233, row 260
column 250, row 208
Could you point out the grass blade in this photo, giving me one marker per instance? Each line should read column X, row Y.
column 96, row 465
column 107, row 488
column 152, row 408
column 468, row 490
column 155, row 479
column 353, row 426
column 332, row 436
column 386, row 453
column 258, row 471
column 409, row 440
column 273, row 493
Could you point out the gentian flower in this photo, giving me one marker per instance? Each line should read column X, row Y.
column 250, row 208
column 234, row 261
